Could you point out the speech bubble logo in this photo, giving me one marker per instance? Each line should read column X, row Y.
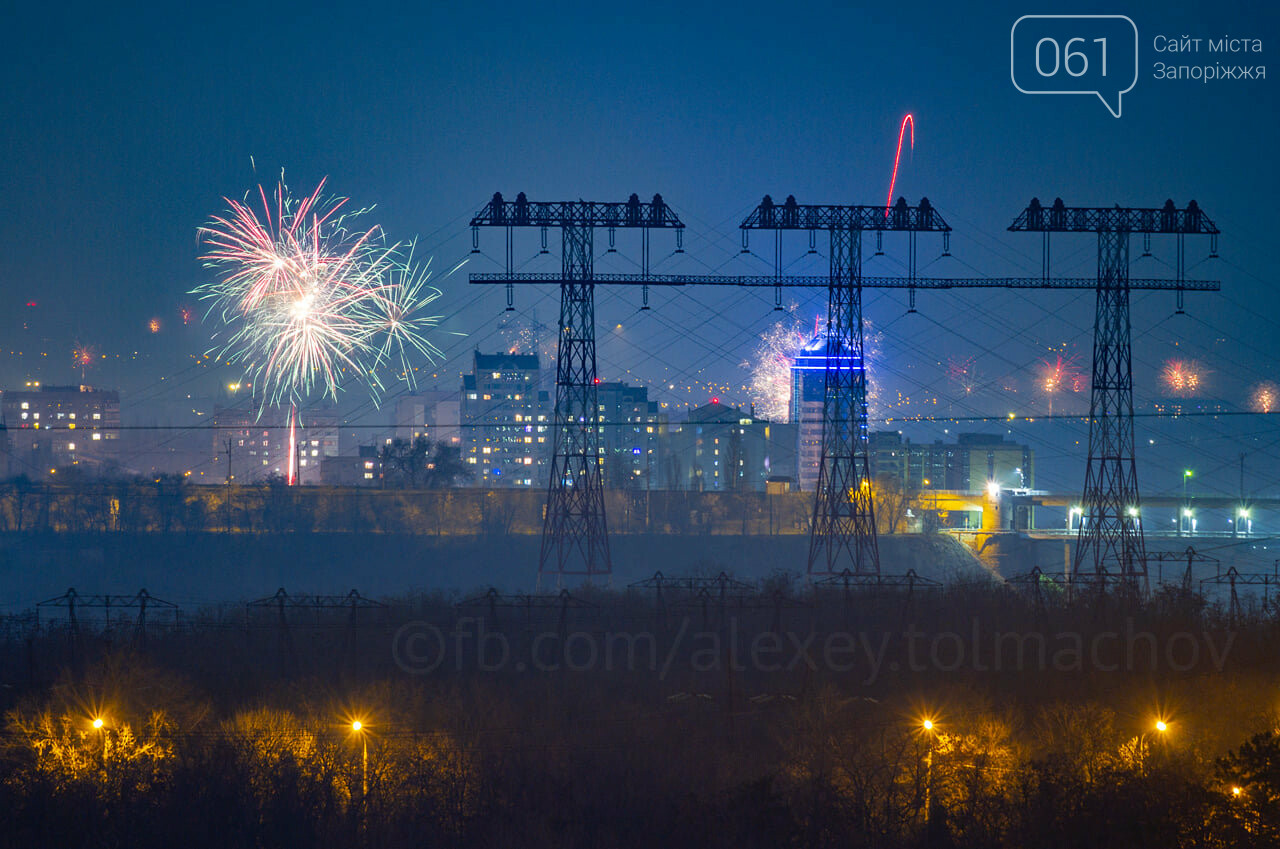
column 1075, row 54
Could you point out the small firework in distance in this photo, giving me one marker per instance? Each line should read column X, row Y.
column 961, row 372
column 186, row 314
column 83, row 357
column 154, row 325
column 1264, row 397
column 1182, row 378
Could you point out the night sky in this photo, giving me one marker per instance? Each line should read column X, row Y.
column 124, row 126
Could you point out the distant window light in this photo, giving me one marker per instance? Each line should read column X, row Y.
column 97, row 436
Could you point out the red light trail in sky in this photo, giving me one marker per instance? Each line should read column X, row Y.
column 897, row 157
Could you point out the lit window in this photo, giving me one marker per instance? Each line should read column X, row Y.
column 97, row 416
column 26, row 406
column 72, row 417
column 368, row 476
column 97, row 436
column 71, row 446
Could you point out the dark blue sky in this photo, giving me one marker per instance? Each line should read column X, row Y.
column 124, row 125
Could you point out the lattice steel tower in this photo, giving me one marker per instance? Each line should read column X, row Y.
column 575, row 539
column 843, row 532
column 1110, row 536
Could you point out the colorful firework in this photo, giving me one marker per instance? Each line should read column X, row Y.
column 1265, row 398
column 311, row 299
column 1183, row 378
column 770, row 366
column 154, row 325
column 1061, row 374
column 962, row 373
column 83, row 357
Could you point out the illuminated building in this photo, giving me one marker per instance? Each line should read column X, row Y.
column 808, row 392
column 362, row 469
column 633, row 436
column 252, row 447
column 724, row 449
column 505, row 421
column 52, row 427
column 967, row 464
column 317, row 437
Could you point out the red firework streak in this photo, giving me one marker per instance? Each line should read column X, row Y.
column 292, row 478
column 897, row 157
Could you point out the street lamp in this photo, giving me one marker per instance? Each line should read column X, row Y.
column 1243, row 521
column 928, row 726
column 357, row 727
column 1186, row 475
column 100, row 725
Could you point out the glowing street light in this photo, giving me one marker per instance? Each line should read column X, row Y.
column 1162, row 726
column 1244, row 524
column 98, row 723
column 357, row 727
column 1073, row 514
column 993, row 490
column 928, row 725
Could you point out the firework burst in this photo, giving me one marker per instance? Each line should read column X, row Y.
column 83, row 357
column 961, row 372
column 311, row 298
column 1061, row 374
column 770, row 365
column 1265, row 397
column 1183, row 378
